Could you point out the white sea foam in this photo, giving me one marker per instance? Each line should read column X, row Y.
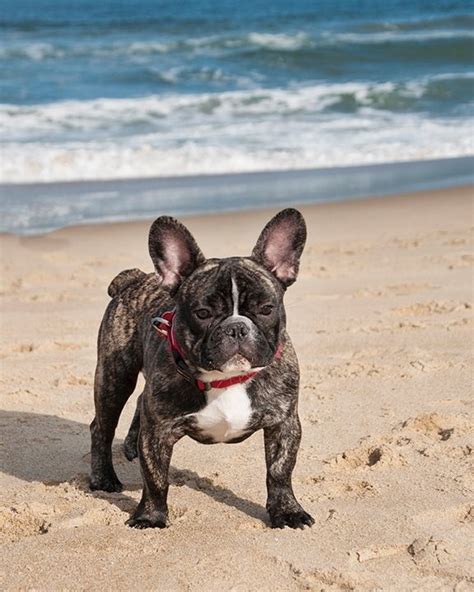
column 139, row 47
column 158, row 112
column 453, row 76
column 246, row 130
column 285, row 42
column 236, row 147
column 33, row 51
column 279, row 41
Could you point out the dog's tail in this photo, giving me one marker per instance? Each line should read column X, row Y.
column 124, row 279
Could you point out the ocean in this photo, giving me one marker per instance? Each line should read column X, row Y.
column 107, row 90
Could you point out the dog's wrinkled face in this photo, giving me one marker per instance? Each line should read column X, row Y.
column 229, row 312
column 230, row 316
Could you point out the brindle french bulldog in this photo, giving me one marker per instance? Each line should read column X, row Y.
column 209, row 337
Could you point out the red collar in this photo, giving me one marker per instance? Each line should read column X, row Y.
column 164, row 327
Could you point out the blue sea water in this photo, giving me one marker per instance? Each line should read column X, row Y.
column 112, row 89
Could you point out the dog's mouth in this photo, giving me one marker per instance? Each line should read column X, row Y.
column 237, row 363
column 233, row 359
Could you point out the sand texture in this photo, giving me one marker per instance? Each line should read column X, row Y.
column 381, row 318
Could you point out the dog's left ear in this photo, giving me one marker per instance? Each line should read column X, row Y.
column 173, row 250
column 280, row 245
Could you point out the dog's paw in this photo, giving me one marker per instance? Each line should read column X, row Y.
column 130, row 448
column 298, row 519
column 110, row 483
column 154, row 520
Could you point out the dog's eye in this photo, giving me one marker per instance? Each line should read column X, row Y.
column 203, row 313
column 266, row 309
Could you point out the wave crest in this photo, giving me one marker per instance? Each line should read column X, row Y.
column 125, row 117
column 299, row 41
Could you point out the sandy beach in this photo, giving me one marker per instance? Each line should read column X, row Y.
column 381, row 319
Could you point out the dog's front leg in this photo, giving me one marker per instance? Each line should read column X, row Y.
column 281, row 447
column 155, row 457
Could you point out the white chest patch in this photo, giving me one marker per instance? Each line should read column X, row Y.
column 226, row 414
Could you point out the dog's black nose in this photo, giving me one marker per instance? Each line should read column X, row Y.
column 236, row 330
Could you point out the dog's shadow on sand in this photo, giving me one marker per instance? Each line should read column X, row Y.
column 53, row 450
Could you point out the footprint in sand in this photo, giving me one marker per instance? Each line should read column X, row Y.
column 20, row 521
column 429, row 435
column 330, row 487
column 373, row 454
column 427, row 550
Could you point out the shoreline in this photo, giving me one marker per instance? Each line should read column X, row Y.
column 249, row 215
column 197, row 177
column 65, row 204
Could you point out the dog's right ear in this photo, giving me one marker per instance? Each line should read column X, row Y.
column 173, row 250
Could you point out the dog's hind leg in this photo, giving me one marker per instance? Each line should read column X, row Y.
column 130, row 446
column 115, row 380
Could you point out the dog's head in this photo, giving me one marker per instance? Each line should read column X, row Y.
column 229, row 312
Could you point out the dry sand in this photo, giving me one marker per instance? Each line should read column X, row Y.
column 381, row 319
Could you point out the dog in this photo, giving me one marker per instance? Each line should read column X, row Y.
column 209, row 337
